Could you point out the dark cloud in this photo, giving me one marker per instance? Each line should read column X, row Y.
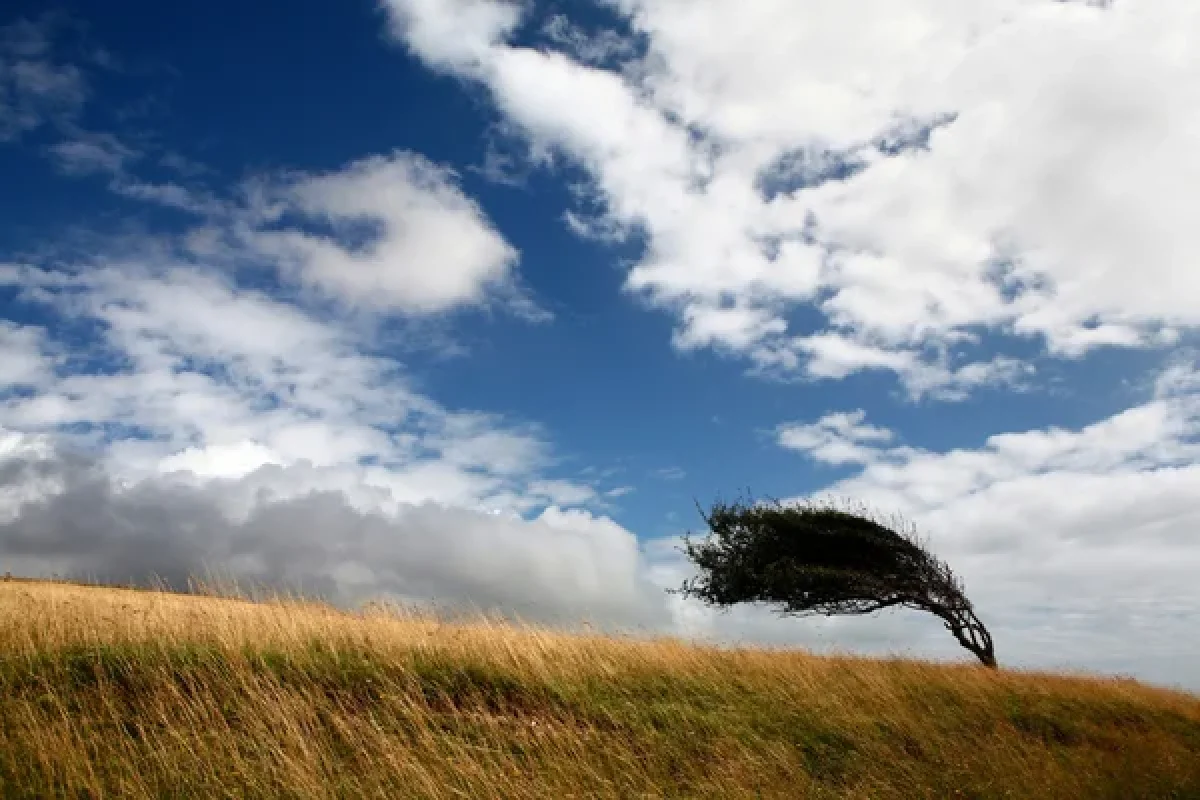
column 562, row 567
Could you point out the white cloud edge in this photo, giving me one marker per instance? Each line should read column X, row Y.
column 896, row 264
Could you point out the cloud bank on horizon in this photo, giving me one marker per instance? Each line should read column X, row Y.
column 952, row 196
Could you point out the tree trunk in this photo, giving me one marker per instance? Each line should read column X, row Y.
column 972, row 635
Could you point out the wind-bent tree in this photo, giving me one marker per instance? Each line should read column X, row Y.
column 818, row 560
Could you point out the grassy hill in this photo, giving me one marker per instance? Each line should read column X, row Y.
column 110, row 692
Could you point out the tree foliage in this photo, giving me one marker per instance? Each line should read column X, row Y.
column 821, row 560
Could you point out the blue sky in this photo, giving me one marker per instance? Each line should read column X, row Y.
column 506, row 288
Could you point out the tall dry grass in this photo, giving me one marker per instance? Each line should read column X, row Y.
column 121, row 693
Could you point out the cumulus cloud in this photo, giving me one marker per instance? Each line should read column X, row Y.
column 386, row 234
column 186, row 370
column 842, row 438
column 163, row 420
column 391, row 234
column 25, row 361
column 562, row 566
column 398, row 234
column 922, row 172
column 456, row 32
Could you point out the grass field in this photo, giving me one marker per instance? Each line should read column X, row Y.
column 120, row 693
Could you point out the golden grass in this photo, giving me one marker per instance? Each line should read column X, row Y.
column 111, row 692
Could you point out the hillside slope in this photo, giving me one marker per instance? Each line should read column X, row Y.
column 111, row 692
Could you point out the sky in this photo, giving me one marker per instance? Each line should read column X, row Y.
column 473, row 303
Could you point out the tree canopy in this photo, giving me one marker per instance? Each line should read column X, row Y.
column 810, row 559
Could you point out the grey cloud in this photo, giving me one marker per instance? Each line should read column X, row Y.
column 562, row 567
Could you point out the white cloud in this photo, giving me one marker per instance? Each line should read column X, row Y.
column 232, row 460
column 1073, row 164
column 920, row 171
column 737, row 328
column 402, row 236
column 835, row 356
column 841, row 438
column 456, row 32
column 384, row 234
column 221, row 380
column 25, row 361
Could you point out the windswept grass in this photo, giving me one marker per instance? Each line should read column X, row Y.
column 111, row 692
